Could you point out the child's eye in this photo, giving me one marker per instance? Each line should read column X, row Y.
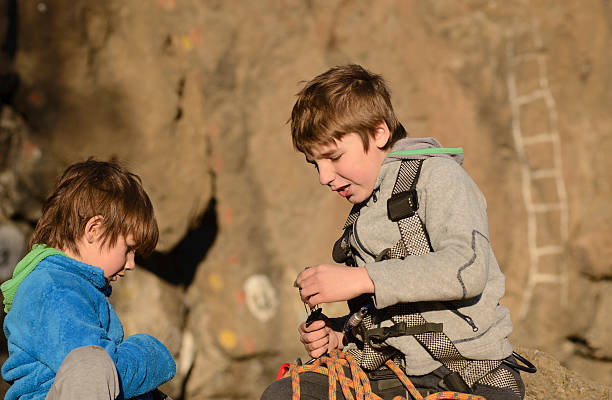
column 336, row 157
column 314, row 164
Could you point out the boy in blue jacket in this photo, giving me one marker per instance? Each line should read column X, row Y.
column 64, row 339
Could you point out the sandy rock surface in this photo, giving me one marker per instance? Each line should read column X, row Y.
column 194, row 97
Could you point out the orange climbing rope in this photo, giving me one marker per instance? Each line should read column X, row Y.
column 333, row 366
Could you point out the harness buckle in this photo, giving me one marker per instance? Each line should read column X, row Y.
column 376, row 336
column 384, row 255
column 402, row 205
column 341, row 252
column 455, row 382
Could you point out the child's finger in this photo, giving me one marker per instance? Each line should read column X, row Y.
column 318, row 352
column 301, row 276
column 317, row 344
column 314, row 326
column 306, row 292
column 313, row 300
column 306, row 298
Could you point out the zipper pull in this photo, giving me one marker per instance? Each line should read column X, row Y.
column 470, row 321
column 466, row 318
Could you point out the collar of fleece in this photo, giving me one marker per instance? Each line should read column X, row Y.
column 417, row 149
column 38, row 253
column 421, row 148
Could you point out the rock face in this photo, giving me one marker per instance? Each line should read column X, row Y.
column 193, row 96
column 553, row 381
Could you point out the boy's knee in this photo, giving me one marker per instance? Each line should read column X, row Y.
column 86, row 371
column 93, row 359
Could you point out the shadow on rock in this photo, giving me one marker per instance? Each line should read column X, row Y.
column 178, row 266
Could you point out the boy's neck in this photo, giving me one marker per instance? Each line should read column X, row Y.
column 71, row 254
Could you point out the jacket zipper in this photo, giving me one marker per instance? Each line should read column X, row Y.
column 358, row 242
column 466, row 318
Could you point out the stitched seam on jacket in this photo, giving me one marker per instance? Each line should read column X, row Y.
column 469, row 263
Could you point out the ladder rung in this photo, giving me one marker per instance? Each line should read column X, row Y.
column 548, row 250
column 545, row 207
column 531, row 97
column 517, row 59
column 536, row 139
column 543, row 173
column 547, row 278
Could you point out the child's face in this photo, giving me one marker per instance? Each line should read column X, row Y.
column 347, row 168
column 114, row 260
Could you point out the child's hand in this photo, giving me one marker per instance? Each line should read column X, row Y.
column 318, row 338
column 327, row 283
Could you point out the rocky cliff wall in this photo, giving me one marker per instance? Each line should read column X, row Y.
column 193, row 96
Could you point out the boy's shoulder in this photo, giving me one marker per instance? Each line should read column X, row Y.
column 441, row 168
column 61, row 267
column 446, row 183
column 437, row 171
column 440, row 177
column 442, row 163
column 57, row 275
column 433, row 168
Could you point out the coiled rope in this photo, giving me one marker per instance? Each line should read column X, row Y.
column 334, row 364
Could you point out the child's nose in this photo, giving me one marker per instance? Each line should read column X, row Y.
column 130, row 263
column 326, row 174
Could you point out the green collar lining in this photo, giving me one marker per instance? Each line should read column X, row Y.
column 23, row 268
column 432, row 150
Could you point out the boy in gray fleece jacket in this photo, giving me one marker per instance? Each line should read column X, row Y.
column 344, row 123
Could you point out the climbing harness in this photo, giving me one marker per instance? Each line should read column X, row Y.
column 371, row 352
column 337, row 362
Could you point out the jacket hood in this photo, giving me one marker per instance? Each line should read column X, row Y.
column 23, row 268
column 422, row 148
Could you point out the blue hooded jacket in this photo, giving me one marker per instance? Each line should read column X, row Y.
column 60, row 306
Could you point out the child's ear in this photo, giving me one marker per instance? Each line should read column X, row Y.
column 93, row 229
column 381, row 135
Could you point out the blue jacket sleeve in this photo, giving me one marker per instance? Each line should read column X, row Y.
column 60, row 319
column 143, row 363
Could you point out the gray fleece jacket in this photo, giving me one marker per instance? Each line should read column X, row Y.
column 458, row 284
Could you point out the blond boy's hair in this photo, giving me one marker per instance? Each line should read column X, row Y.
column 91, row 188
column 344, row 99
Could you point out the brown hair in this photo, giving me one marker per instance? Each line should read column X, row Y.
column 90, row 188
column 344, row 99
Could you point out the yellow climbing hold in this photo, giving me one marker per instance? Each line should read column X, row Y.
column 228, row 339
column 187, row 43
column 215, row 281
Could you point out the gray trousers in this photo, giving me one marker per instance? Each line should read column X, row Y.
column 88, row 372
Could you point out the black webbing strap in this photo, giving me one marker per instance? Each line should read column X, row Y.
column 379, row 335
column 404, row 202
